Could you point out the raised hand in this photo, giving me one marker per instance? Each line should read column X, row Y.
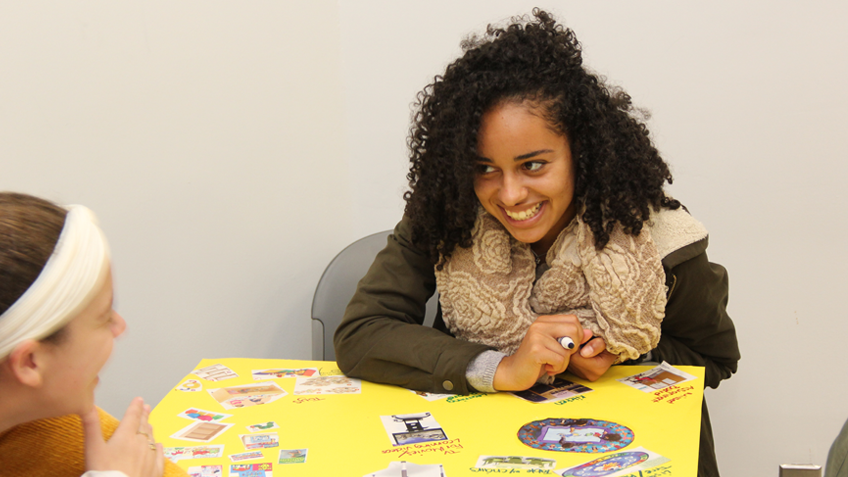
column 131, row 449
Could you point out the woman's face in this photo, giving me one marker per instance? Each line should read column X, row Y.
column 526, row 175
column 76, row 359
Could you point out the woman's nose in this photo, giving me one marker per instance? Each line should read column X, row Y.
column 513, row 190
column 119, row 325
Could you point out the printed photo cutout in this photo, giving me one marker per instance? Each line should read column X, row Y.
column 216, row 372
column 514, row 462
column 246, row 395
column 263, row 426
column 196, row 414
column 199, row 431
column 276, row 373
column 404, row 429
column 292, row 456
column 632, row 462
column 660, row 377
column 260, row 441
column 327, row 385
column 206, row 471
column 190, row 386
column 264, row 469
column 195, row 452
column 408, row 469
column 575, row 435
column 252, row 455
column 557, row 391
column 431, row 396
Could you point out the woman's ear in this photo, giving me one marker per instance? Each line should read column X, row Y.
column 26, row 363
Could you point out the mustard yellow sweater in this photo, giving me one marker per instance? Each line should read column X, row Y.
column 54, row 448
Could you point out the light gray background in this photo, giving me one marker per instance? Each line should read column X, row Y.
column 231, row 149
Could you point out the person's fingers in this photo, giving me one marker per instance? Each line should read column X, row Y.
column 143, row 424
column 593, row 347
column 152, row 464
column 159, row 467
column 131, row 422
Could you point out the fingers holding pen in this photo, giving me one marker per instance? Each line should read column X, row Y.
column 540, row 352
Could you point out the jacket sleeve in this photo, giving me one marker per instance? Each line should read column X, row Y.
column 696, row 330
column 382, row 337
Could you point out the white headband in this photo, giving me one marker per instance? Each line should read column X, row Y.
column 68, row 281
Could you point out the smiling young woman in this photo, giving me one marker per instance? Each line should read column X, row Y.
column 57, row 329
column 536, row 207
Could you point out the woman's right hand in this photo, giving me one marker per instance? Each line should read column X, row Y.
column 540, row 353
column 131, row 448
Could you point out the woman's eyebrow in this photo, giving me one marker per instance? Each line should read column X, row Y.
column 532, row 154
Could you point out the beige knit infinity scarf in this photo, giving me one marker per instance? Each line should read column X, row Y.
column 488, row 293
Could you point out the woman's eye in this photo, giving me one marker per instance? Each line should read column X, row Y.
column 484, row 169
column 533, row 165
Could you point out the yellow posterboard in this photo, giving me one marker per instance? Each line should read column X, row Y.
column 360, row 431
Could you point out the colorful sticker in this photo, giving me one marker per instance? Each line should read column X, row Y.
column 277, row 373
column 292, row 456
column 190, row 386
column 328, row 385
column 263, row 426
column 246, row 395
column 196, row 452
column 200, row 431
column 196, row 414
column 206, row 471
column 575, row 435
column 216, row 372
column 252, row 455
column 251, row 470
column 260, row 441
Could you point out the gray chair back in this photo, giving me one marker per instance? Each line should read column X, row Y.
column 337, row 286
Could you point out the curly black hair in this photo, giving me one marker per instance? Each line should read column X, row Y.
column 618, row 171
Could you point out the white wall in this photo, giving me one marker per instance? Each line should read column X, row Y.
column 232, row 148
column 208, row 137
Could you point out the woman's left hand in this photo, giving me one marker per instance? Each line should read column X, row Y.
column 592, row 361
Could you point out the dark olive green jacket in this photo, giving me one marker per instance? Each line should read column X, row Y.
column 381, row 338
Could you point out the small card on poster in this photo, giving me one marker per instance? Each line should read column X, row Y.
column 657, row 378
column 252, row 455
column 260, row 441
column 246, row 395
column 190, row 386
column 557, row 391
column 404, row 429
column 514, row 462
column 263, row 426
column 328, row 385
column 264, row 469
column 216, row 372
column 196, row 414
column 277, row 373
column 619, row 464
column 200, row 431
column 194, row 452
column 206, row 471
column 292, row 456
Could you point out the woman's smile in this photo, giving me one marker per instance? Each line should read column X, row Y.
column 523, row 215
